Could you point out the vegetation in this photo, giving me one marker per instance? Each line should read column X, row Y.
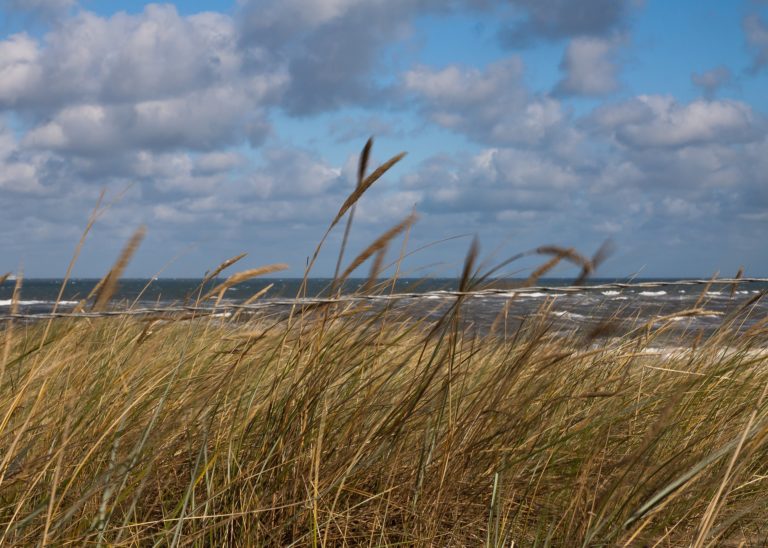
column 346, row 424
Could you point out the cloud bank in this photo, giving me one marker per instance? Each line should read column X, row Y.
column 191, row 114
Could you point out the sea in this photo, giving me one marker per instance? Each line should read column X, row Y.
column 583, row 309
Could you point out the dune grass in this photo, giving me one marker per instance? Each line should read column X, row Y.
column 362, row 429
column 346, row 425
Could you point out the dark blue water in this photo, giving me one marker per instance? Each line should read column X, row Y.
column 580, row 309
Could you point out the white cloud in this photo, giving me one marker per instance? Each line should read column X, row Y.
column 495, row 180
column 456, row 86
column 491, row 105
column 20, row 70
column 203, row 120
column 18, row 171
column 293, row 173
column 217, row 162
column 661, row 121
column 149, row 56
column 101, row 86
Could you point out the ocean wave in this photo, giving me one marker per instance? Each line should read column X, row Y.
column 568, row 315
column 652, row 293
column 8, row 302
column 692, row 318
column 532, row 295
column 611, row 293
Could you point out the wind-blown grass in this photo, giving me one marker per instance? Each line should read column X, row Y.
column 342, row 424
column 358, row 428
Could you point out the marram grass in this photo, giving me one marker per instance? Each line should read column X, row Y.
column 344, row 427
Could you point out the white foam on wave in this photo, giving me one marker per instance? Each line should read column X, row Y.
column 611, row 293
column 714, row 293
column 652, row 293
column 568, row 315
column 690, row 317
column 532, row 295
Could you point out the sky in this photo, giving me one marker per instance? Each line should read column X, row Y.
column 229, row 127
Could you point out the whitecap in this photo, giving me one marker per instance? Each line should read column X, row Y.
column 611, row 293
column 532, row 295
column 9, row 302
column 568, row 315
column 652, row 293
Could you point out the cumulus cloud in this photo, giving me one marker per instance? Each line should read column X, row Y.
column 151, row 80
column 491, row 105
column 290, row 172
column 710, row 81
column 124, row 58
column 650, row 121
column 494, row 180
column 653, row 168
column 20, row 70
column 166, row 105
column 204, row 120
column 558, row 19
column 756, row 31
column 590, row 67
column 332, row 49
column 18, row 170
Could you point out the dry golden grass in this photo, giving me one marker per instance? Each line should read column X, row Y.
column 359, row 428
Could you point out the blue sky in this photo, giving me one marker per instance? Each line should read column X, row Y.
column 230, row 127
